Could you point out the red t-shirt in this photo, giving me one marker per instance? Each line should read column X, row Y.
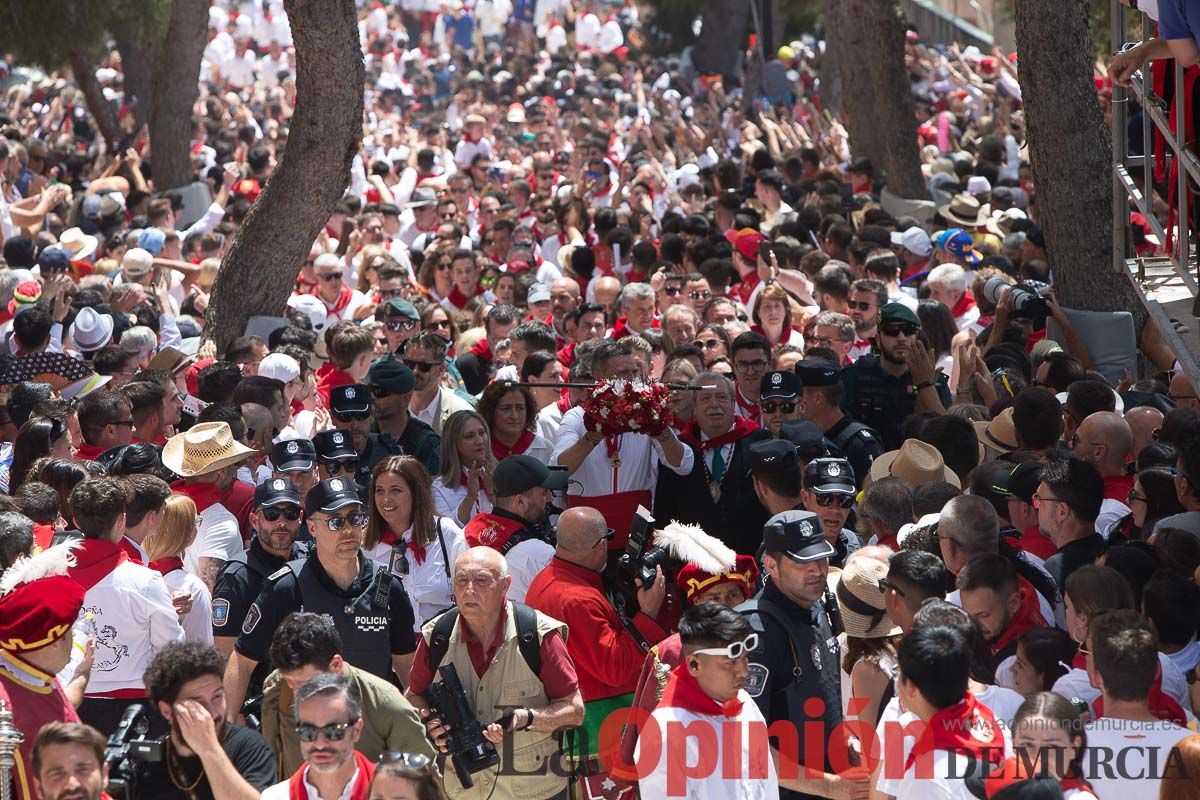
column 1034, row 542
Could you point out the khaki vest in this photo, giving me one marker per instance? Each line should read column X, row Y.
column 508, row 683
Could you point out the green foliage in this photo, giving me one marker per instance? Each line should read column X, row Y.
column 39, row 31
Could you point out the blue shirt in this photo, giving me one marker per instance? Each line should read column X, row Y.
column 1179, row 19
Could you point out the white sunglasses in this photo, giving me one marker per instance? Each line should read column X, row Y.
column 733, row 651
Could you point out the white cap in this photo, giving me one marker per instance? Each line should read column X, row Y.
column 312, row 307
column 279, row 366
column 977, row 185
column 538, row 293
column 915, row 240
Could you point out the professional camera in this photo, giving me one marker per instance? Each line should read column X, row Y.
column 129, row 751
column 639, row 560
column 469, row 751
column 1027, row 303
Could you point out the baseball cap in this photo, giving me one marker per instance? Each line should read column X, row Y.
column 818, row 372
column 137, row 263
column 397, row 307
column 54, row 259
column 311, row 307
column 152, row 241
column 330, row 495
column 897, row 312
column 745, row 241
column 959, row 244
column 773, row 456
column 294, row 455
column 915, row 240
column 279, row 366
column 538, row 293
column 829, row 476
column 1021, row 482
column 517, row 474
column 334, row 445
column 353, row 398
column 779, row 384
column 798, row 535
column 276, row 492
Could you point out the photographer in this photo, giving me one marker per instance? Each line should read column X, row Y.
column 206, row 757
column 528, row 705
column 607, row 653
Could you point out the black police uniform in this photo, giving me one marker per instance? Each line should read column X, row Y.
column 422, row 442
column 856, row 443
column 834, row 476
column 379, row 447
column 797, row 656
column 882, row 401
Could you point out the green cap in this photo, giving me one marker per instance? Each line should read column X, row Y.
column 397, row 307
column 391, row 376
column 897, row 312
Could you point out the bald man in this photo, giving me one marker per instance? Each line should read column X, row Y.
column 1104, row 438
column 605, row 291
column 564, row 298
column 1143, row 423
column 260, row 434
column 1183, row 391
column 607, row 656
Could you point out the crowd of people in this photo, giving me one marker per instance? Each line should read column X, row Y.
column 908, row 511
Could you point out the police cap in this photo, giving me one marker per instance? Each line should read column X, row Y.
column 779, row 384
column 331, row 495
column 334, row 445
column 294, row 455
column 276, row 492
column 772, row 456
column 798, row 535
column 354, row 398
column 829, row 476
column 818, row 372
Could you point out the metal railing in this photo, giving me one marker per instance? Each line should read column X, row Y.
column 937, row 26
column 1129, row 196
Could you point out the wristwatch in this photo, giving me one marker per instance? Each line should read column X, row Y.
column 528, row 719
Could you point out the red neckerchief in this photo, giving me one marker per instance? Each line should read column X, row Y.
column 94, row 560
column 1028, row 616
column 362, row 781
column 88, row 452
column 488, row 530
column 457, row 299
column 742, row 428
column 751, row 411
column 915, row 269
column 566, row 355
column 5, row 315
column 1162, row 705
column 502, row 451
column 746, row 287
column 202, row 494
column 953, row 729
column 621, row 329
column 563, row 403
column 482, row 350
column 559, row 339
column 1117, row 487
column 167, row 565
column 390, row 539
column 683, row 691
column 964, row 304
column 344, row 298
column 130, row 551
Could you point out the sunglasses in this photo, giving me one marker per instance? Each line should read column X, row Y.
column 401, row 324
column 707, row 344
column 251, row 432
column 388, row 294
column 907, row 329
column 128, row 422
column 330, row 277
column 842, row 500
column 415, row 365
column 273, row 514
column 731, row 651
column 885, row 584
column 349, row 466
column 673, row 291
column 351, row 416
column 438, row 325
column 859, row 306
column 771, row 408
column 448, row 215
column 701, row 295
column 334, row 731
column 443, row 267
column 379, row 391
column 382, row 343
column 356, row 520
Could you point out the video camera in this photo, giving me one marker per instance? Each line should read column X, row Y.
column 469, row 751
column 640, row 559
column 1028, row 301
column 127, row 753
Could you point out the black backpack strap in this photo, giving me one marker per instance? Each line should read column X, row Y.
column 527, row 636
column 437, row 526
column 439, row 640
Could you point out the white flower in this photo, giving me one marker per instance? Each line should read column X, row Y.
column 633, row 424
column 603, row 413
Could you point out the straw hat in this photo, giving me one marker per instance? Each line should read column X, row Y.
column 998, row 434
column 203, row 448
column 915, row 462
column 965, row 210
column 860, row 599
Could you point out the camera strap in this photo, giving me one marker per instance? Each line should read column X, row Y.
column 527, row 637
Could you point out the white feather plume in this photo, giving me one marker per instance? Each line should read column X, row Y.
column 690, row 543
column 51, row 561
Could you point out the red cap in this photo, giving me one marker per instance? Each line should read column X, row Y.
column 745, row 241
column 248, row 189
column 693, row 581
column 518, row 265
column 39, row 613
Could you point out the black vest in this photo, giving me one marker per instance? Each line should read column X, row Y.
column 363, row 622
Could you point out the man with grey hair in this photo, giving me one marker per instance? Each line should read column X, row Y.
column 887, row 506
column 680, row 323
column 718, row 492
column 328, row 723
column 948, row 285
column 636, row 304
column 833, row 331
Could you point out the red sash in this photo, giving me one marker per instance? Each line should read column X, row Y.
column 488, row 530
column 742, row 428
column 683, row 691
column 617, row 508
column 94, row 560
column 483, row 351
column 502, row 451
column 362, row 781
column 967, row 727
column 1028, row 617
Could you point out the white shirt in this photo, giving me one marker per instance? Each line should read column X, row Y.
column 1143, row 748
column 525, row 561
column 466, row 152
column 1111, row 512
column 280, row 791
column 1187, row 658
column 556, row 39
column 548, row 421
column 587, row 31
column 217, row 536
column 492, row 16
column 427, row 584
column 444, row 403
column 714, row 786
column 145, row 559
column 130, row 617
column 610, row 37
column 446, row 501
column 640, row 459
column 1077, row 684
column 197, row 623
column 357, row 300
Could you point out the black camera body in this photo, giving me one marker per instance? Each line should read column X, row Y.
column 128, row 751
column 640, row 558
column 469, row 750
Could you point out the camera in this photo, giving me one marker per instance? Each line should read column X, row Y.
column 128, row 751
column 640, row 559
column 469, row 751
column 1027, row 302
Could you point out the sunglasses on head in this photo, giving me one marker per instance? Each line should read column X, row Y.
column 334, row 731
column 351, row 416
column 348, row 466
column 732, row 651
column 356, row 519
column 273, row 514
column 906, row 329
column 787, row 408
column 415, row 365
column 828, row 500
column 409, row 760
column 401, row 324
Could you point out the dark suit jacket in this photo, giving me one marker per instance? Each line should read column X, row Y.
column 736, row 519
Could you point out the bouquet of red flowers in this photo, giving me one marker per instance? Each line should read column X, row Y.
column 616, row 407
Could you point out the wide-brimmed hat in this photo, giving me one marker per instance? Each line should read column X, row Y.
column 965, row 210
column 82, row 245
column 91, row 330
column 203, row 448
column 1001, row 223
column 915, row 462
column 860, row 599
column 999, row 433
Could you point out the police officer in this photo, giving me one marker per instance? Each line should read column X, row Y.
column 366, row 602
column 852, row 440
column 276, row 518
column 351, row 412
column 883, row 390
column 779, row 399
column 829, row 493
column 392, row 385
column 295, row 459
column 796, row 659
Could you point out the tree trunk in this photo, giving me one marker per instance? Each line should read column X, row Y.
column 722, row 36
column 868, row 36
column 1070, row 150
column 85, row 75
column 830, row 74
column 260, row 268
column 176, row 87
column 137, row 65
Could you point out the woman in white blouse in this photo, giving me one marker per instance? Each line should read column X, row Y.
column 165, row 547
column 464, row 488
column 404, row 534
column 511, row 414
